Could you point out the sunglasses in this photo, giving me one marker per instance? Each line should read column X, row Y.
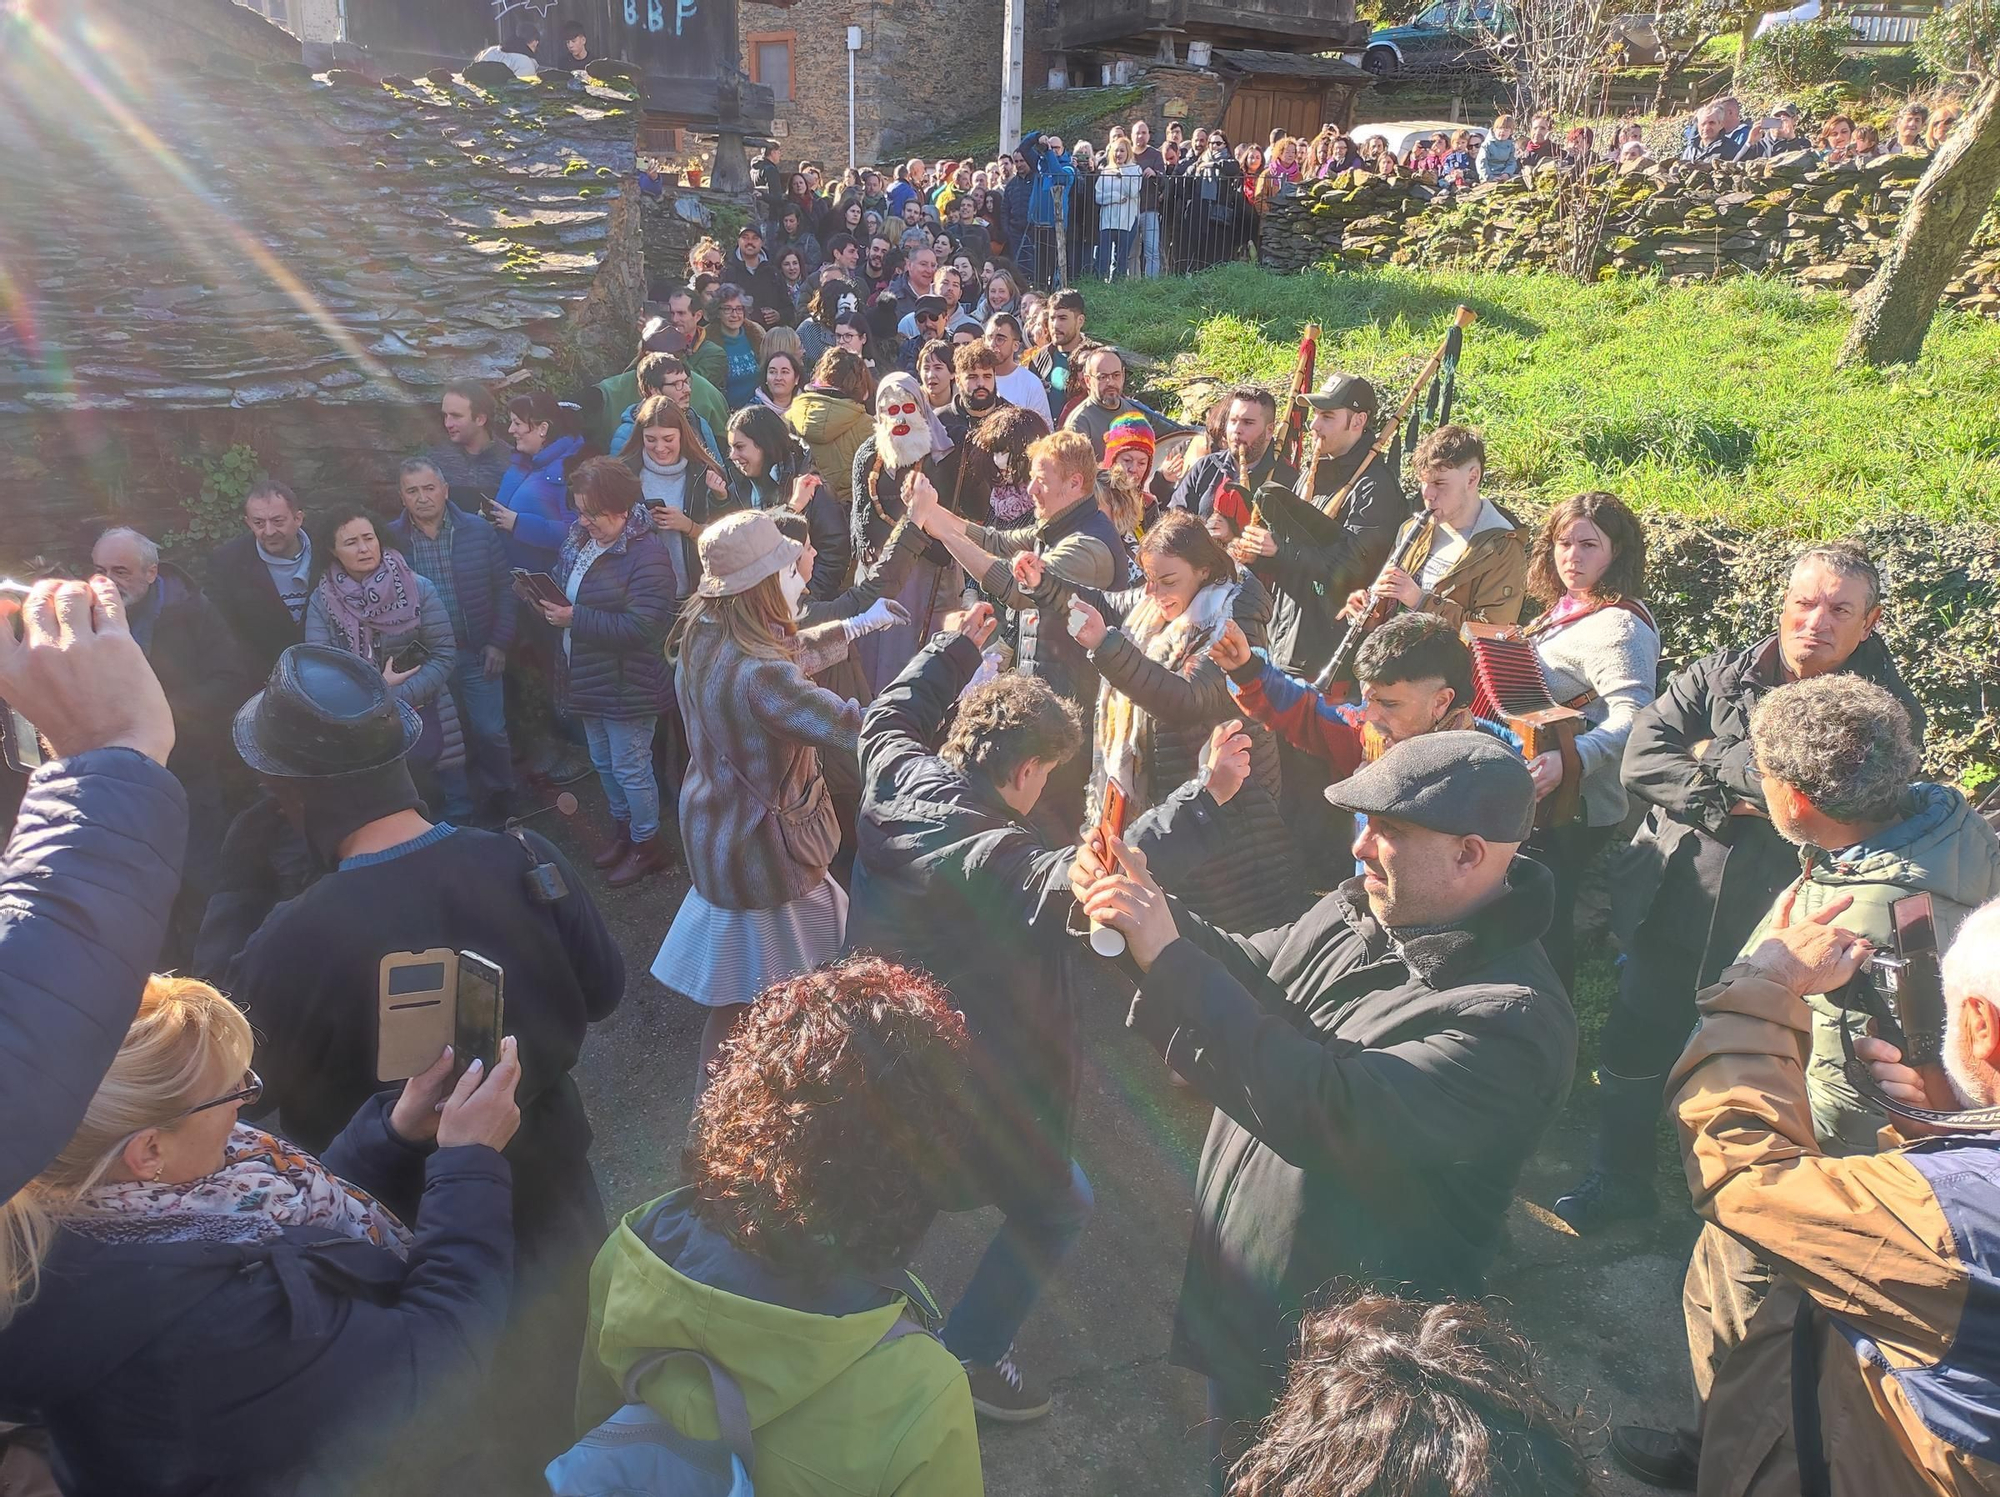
column 247, row 1094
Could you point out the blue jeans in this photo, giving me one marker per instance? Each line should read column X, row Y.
column 1149, row 244
column 1032, row 1242
column 1114, row 253
column 482, row 712
column 623, row 755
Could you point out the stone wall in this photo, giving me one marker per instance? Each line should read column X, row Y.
column 67, row 477
column 1194, row 96
column 922, row 64
column 1787, row 216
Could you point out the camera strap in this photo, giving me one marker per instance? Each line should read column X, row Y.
column 1974, row 1119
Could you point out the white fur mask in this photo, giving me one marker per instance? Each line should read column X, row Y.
column 906, row 429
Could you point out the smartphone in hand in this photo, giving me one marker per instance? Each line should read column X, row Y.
column 481, row 1013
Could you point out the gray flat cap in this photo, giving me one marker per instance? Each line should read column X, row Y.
column 1461, row 784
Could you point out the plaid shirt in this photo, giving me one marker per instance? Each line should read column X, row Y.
column 432, row 560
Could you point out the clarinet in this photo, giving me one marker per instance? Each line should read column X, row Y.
column 1377, row 611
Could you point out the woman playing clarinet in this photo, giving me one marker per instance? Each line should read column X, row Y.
column 1600, row 650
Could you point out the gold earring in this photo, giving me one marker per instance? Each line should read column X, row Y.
column 158, row 1167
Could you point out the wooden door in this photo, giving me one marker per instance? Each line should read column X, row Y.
column 1256, row 110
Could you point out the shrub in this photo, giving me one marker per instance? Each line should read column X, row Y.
column 1799, row 55
column 1961, row 39
column 1714, row 586
column 214, row 513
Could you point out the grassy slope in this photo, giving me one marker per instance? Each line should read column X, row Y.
column 1073, row 114
column 1712, row 400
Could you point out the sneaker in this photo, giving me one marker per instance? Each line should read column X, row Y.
column 999, row 1392
column 569, row 766
column 1658, row 1457
column 1601, row 1198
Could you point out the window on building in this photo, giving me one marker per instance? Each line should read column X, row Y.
column 771, row 62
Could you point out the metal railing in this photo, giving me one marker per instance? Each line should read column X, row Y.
column 1185, row 223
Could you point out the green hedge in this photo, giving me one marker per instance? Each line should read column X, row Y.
column 1715, row 585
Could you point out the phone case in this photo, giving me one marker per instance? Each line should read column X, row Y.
column 416, row 1011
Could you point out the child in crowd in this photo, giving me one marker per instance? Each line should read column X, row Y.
column 1498, row 161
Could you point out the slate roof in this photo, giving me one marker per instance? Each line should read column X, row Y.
column 240, row 233
column 1293, row 65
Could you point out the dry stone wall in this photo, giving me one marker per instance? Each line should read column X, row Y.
column 1786, row 216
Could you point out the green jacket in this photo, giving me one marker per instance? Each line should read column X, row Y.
column 834, row 1410
column 621, row 393
column 1941, row 847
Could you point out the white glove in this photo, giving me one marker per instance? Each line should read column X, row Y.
column 883, row 613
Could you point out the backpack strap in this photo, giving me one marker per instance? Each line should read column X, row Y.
column 732, row 1414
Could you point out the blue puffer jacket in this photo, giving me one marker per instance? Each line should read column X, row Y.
column 478, row 578
column 86, row 883
column 291, row 1365
column 1053, row 176
column 538, row 493
column 616, row 665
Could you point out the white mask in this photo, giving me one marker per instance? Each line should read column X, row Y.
column 793, row 586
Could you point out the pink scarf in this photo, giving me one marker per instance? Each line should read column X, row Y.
column 264, row 1186
column 382, row 606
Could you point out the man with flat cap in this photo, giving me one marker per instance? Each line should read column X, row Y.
column 329, row 742
column 1381, row 1069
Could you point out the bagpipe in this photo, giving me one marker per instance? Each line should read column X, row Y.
column 1428, row 401
column 1233, row 499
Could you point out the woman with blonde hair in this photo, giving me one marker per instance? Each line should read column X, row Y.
column 1117, row 209
column 190, row 1304
column 757, row 818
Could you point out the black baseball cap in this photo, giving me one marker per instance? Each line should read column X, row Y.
column 1346, row 392
column 1464, row 784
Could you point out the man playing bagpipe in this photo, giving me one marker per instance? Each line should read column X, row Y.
column 1313, row 557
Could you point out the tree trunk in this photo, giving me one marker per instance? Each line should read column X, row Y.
column 1894, row 310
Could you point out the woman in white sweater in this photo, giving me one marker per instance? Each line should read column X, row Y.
column 1118, row 185
column 1600, row 650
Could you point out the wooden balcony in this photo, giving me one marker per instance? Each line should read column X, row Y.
column 1282, row 25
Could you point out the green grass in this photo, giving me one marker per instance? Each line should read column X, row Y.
column 1073, row 114
column 1716, row 400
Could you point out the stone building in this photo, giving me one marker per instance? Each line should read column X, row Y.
column 211, row 248
column 921, row 64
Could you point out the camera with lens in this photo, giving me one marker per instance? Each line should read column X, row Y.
column 1903, row 990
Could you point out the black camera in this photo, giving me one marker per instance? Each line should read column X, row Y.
column 1903, row 990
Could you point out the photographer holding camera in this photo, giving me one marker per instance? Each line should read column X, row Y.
column 1884, row 1265
column 1838, row 767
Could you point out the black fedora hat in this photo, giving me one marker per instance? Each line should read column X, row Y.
column 323, row 713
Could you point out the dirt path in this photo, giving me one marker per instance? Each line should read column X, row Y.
column 1604, row 1313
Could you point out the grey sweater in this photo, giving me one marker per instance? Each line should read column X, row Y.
column 1616, row 654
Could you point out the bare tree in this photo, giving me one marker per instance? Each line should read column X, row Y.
column 1552, row 51
column 1895, row 309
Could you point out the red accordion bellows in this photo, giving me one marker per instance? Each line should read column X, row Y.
column 1507, row 677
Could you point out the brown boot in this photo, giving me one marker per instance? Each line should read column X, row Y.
column 641, row 859
column 613, row 852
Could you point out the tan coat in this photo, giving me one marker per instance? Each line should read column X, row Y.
column 1487, row 584
column 1882, row 1251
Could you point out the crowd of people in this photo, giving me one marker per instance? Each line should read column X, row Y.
column 935, row 658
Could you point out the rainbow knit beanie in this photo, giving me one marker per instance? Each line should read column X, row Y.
column 1128, row 430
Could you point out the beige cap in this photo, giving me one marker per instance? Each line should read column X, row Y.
column 739, row 551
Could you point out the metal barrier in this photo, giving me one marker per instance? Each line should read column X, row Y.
column 1198, row 219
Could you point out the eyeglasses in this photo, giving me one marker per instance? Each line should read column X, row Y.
column 247, row 1094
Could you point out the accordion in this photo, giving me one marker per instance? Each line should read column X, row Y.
column 1509, row 687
